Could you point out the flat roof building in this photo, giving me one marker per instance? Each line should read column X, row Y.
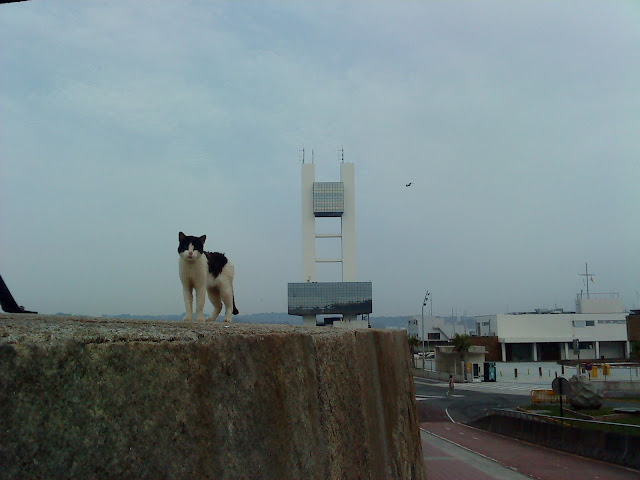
column 599, row 328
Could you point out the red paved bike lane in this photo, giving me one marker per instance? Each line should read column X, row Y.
column 537, row 462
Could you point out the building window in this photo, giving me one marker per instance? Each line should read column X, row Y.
column 584, row 323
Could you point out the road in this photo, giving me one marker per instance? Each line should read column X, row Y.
column 469, row 401
column 453, row 450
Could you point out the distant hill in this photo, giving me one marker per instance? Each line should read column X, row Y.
column 469, row 323
column 286, row 319
column 257, row 318
column 269, row 318
column 389, row 322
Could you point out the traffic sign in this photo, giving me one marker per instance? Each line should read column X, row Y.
column 560, row 386
column 588, row 367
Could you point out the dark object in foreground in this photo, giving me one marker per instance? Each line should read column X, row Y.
column 7, row 301
column 97, row 398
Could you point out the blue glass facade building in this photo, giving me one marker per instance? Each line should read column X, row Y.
column 321, row 298
column 328, row 199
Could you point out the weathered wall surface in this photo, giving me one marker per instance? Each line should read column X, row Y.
column 491, row 346
column 633, row 327
column 96, row 398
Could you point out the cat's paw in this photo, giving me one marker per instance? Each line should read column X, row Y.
column 199, row 318
column 227, row 320
column 210, row 319
column 187, row 318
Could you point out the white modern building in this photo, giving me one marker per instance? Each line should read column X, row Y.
column 346, row 298
column 436, row 331
column 597, row 330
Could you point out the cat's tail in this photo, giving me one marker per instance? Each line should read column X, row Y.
column 235, row 310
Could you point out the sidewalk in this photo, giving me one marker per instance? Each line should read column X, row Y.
column 503, row 458
column 446, row 461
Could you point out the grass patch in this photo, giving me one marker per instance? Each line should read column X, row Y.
column 555, row 409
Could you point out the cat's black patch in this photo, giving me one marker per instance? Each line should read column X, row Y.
column 185, row 240
column 216, row 261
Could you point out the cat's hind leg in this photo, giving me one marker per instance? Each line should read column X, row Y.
column 214, row 296
column 227, row 299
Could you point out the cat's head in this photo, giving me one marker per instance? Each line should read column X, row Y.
column 190, row 248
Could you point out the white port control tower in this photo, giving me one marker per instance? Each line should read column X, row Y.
column 347, row 298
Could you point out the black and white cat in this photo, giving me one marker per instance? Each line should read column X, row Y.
column 205, row 271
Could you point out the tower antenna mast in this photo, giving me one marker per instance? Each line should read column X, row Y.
column 587, row 275
column 302, row 154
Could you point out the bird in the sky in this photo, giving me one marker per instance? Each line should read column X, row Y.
column 409, row 184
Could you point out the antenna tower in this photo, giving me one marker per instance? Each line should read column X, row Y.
column 586, row 274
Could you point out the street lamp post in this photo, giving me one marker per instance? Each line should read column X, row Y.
column 424, row 302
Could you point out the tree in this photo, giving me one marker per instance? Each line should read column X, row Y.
column 414, row 343
column 461, row 345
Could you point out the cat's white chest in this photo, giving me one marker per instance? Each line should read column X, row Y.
column 194, row 273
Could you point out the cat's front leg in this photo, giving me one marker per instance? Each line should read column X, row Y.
column 200, row 298
column 188, row 304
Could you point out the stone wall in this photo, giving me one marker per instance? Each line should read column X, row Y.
column 491, row 346
column 633, row 327
column 99, row 398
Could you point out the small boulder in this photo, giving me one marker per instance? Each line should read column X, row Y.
column 584, row 394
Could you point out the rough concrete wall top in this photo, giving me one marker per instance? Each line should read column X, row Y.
column 101, row 398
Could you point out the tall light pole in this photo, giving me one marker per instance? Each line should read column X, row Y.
column 424, row 303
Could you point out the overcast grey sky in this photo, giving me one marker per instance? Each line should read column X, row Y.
column 123, row 123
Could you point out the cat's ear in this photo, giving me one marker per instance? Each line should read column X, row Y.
column 203, row 238
column 181, row 236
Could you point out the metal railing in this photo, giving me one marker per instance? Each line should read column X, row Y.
column 627, row 427
column 618, row 373
column 608, row 441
